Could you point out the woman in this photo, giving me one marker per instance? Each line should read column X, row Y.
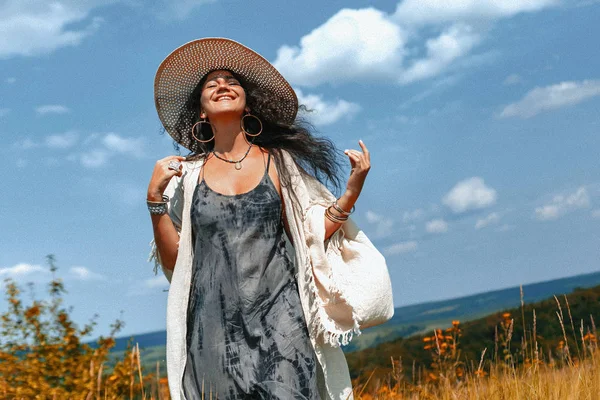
column 246, row 318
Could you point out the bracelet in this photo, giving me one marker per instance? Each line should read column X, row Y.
column 158, row 207
column 334, row 218
column 339, row 209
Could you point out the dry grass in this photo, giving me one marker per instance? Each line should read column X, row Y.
column 575, row 382
column 42, row 357
column 562, row 374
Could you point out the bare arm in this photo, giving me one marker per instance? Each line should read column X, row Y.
column 166, row 239
column 166, row 236
column 361, row 164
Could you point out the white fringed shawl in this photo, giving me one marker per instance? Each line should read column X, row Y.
column 343, row 283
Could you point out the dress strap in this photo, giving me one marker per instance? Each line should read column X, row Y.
column 202, row 170
column 268, row 162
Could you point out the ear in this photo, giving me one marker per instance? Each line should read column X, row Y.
column 202, row 114
column 247, row 110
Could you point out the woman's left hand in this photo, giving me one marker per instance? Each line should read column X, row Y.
column 361, row 164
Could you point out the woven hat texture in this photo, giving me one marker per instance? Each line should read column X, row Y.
column 179, row 74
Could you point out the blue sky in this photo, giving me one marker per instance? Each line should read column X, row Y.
column 482, row 118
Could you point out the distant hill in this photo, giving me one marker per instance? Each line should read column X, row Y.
column 414, row 319
column 144, row 340
column 479, row 334
column 418, row 318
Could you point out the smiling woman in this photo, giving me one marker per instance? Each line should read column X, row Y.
column 247, row 315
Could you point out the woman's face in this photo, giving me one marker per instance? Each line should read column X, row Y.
column 222, row 95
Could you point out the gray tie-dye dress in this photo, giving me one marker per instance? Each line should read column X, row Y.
column 246, row 333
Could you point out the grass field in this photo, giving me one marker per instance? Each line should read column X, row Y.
column 42, row 356
column 556, row 379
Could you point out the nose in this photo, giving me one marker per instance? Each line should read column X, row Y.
column 222, row 85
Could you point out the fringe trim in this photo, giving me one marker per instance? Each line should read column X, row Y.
column 154, row 257
column 317, row 314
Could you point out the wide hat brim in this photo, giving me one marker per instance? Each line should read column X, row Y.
column 182, row 70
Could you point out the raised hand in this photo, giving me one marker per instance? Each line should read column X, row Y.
column 162, row 174
column 361, row 164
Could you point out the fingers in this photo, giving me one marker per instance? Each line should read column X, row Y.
column 174, row 165
column 353, row 155
column 363, row 147
column 164, row 169
column 359, row 160
column 170, row 160
column 168, row 167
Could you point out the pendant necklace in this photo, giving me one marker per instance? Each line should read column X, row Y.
column 238, row 163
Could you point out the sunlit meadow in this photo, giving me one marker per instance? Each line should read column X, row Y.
column 43, row 356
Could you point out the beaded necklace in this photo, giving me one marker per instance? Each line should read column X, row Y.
column 238, row 163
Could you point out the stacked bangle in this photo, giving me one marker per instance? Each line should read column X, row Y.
column 339, row 209
column 158, row 207
column 338, row 219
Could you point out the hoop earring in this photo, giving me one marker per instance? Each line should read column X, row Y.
column 202, row 121
column 244, row 129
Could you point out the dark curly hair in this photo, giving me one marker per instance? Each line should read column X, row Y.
column 314, row 155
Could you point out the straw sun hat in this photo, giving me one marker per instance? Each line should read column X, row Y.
column 179, row 74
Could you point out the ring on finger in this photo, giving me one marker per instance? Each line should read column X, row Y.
column 174, row 165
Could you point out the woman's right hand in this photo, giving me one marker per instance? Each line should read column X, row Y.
column 161, row 177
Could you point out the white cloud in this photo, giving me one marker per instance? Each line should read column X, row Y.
column 383, row 226
column 596, row 213
column 10, row 80
column 552, row 97
column 178, row 9
column 436, row 226
column 413, row 215
column 421, row 40
column 57, row 141
column 372, row 217
column 121, row 144
column 21, row 270
column 513, row 79
column 32, row 27
column 62, row 141
column 423, row 12
column 351, row 44
column 110, row 145
column 326, row 112
column 469, row 194
column 52, row 109
column 402, row 247
column 84, row 274
column 490, row 219
column 94, row 151
column 547, row 212
column 25, row 144
column 4, row 112
column 563, row 204
column 453, row 43
column 94, row 159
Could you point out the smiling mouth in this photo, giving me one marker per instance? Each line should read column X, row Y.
column 224, row 98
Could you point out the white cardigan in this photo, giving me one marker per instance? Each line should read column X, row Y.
column 343, row 282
